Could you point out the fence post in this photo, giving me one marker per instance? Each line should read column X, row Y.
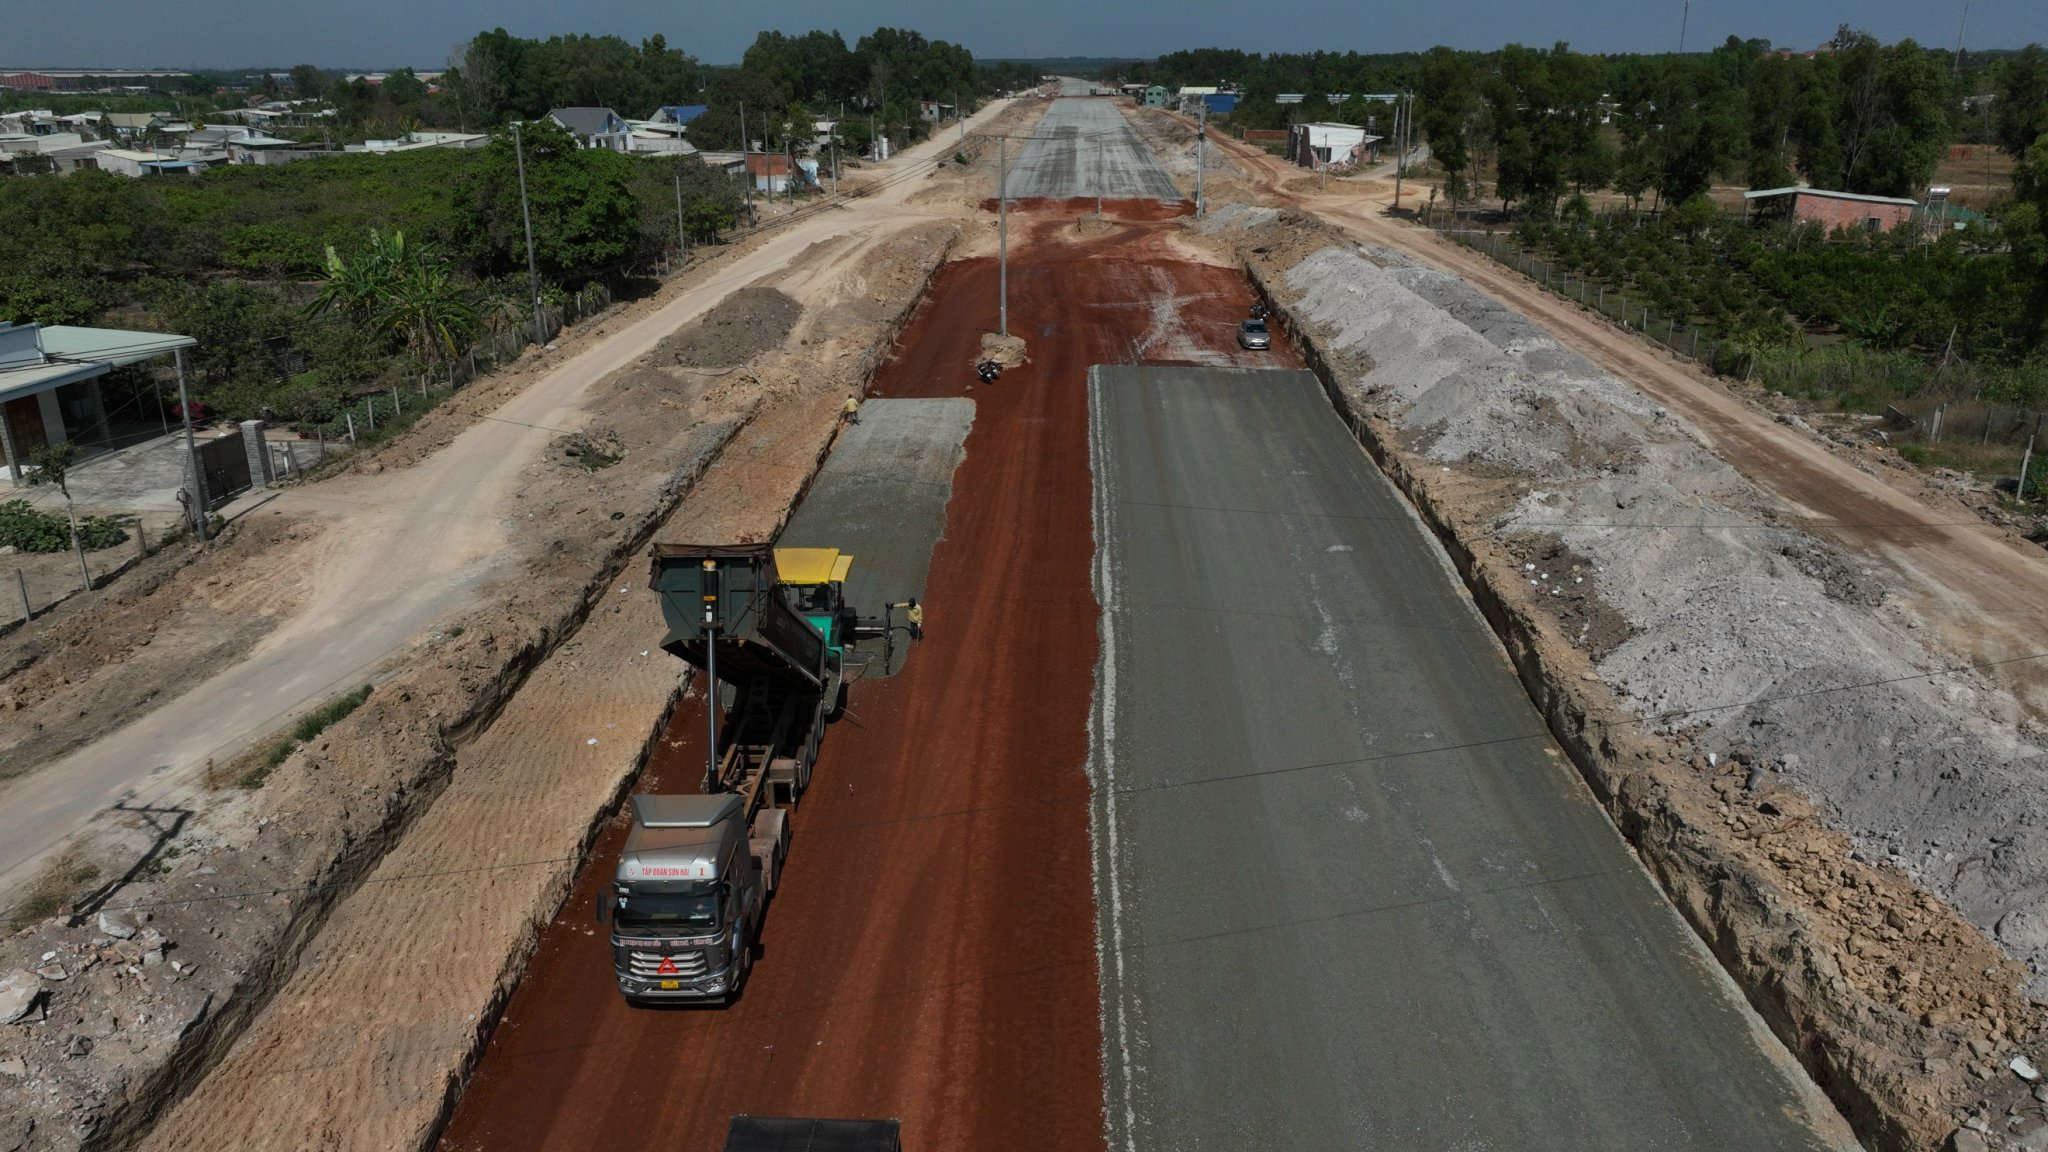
column 351, row 428
column 27, row 612
column 141, row 538
column 370, row 406
column 1695, row 343
column 2026, row 458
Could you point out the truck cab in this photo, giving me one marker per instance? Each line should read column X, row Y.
column 686, row 901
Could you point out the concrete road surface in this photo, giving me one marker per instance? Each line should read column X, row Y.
column 422, row 541
column 1085, row 147
column 882, row 496
column 1350, row 895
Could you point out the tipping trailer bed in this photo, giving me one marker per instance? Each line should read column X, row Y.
column 728, row 612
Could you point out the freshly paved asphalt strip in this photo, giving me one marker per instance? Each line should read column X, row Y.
column 1349, row 893
column 882, row 496
column 1085, row 147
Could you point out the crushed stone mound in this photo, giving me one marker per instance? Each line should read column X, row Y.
column 1712, row 602
column 750, row 322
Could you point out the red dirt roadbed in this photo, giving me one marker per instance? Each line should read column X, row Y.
column 930, row 954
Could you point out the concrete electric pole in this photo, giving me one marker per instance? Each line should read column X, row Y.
column 540, row 336
column 1201, row 155
column 1003, row 233
column 198, row 485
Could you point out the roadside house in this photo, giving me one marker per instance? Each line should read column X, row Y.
column 1832, row 210
column 1323, row 145
column 595, row 127
column 50, row 383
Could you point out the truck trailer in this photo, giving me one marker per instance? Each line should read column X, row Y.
column 769, row 628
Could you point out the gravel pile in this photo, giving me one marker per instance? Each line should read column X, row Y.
column 1722, row 606
column 746, row 324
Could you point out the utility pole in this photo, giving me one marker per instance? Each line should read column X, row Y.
column 1400, row 151
column 747, row 163
column 683, row 238
column 540, row 336
column 960, row 114
column 1684, row 18
column 1003, row 233
column 1098, row 177
column 1959, row 37
column 1201, row 155
column 198, row 487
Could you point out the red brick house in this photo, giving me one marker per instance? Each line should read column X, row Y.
column 1832, row 210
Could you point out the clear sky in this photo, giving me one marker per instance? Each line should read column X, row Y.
column 379, row 34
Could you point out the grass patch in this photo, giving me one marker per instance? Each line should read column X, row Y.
column 62, row 881
column 329, row 714
column 252, row 770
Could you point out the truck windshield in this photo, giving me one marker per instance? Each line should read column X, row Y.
column 667, row 914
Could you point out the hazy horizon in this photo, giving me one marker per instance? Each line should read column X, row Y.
column 385, row 34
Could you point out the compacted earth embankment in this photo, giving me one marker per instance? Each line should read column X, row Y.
column 316, row 961
column 1748, row 699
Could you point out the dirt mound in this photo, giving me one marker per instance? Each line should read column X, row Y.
column 750, row 321
column 1009, row 351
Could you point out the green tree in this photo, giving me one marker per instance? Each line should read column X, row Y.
column 704, row 219
column 1445, row 106
column 2022, row 102
column 584, row 215
column 308, row 81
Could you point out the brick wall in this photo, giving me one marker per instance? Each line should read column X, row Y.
column 1833, row 213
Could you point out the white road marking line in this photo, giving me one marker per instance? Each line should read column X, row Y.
column 1102, row 718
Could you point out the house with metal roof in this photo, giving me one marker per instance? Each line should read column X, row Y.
column 595, row 127
column 50, row 383
column 1323, row 145
column 1832, row 210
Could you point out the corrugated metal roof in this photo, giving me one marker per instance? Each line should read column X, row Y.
column 1864, row 197
column 113, row 346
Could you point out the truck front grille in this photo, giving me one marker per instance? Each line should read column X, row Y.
column 685, row 965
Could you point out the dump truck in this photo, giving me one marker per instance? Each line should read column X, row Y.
column 770, row 629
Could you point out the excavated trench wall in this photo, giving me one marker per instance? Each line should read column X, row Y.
column 1787, row 971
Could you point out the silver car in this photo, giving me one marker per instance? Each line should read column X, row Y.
column 1253, row 334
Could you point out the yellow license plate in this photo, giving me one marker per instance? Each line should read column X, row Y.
column 671, row 985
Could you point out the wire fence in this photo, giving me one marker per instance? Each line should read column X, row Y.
column 376, row 415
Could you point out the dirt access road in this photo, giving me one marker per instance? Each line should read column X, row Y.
column 399, row 550
column 929, row 954
column 1981, row 587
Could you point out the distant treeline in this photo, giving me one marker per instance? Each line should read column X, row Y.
column 1857, row 115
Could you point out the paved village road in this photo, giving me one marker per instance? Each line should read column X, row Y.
column 1350, row 894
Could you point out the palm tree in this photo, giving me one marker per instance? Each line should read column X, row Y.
column 402, row 291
